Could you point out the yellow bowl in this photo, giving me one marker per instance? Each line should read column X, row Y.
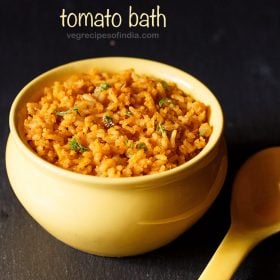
column 118, row 216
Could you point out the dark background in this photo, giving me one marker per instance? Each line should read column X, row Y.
column 232, row 46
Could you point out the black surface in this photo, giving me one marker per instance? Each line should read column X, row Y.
column 232, row 46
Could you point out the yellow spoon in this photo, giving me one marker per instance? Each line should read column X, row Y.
column 255, row 213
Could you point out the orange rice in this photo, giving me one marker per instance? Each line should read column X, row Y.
column 116, row 124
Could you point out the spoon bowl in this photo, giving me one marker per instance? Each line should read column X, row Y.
column 256, row 192
column 255, row 213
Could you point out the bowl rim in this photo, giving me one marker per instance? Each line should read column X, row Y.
column 108, row 181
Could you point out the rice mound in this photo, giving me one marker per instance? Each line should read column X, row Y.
column 116, row 124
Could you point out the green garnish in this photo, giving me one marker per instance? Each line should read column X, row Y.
column 101, row 87
column 165, row 85
column 63, row 113
column 201, row 133
column 141, row 145
column 202, row 130
column 76, row 109
column 161, row 129
column 104, row 86
column 108, row 121
column 165, row 101
column 76, row 146
column 128, row 113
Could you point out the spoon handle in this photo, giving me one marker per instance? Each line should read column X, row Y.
column 232, row 250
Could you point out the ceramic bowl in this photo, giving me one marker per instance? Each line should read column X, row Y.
column 116, row 216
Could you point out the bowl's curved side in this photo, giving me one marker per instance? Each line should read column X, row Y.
column 120, row 216
column 185, row 81
column 109, row 222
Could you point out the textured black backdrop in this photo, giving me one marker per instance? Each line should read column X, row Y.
column 232, row 46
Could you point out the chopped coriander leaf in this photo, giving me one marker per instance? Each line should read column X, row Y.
column 76, row 146
column 204, row 130
column 201, row 132
column 108, row 121
column 165, row 85
column 161, row 129
column 128, row 113
column 165, row 101
column 141, row 145
column 63, row 113
column 104, row 86
column 76, row 109
column 101, row 87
